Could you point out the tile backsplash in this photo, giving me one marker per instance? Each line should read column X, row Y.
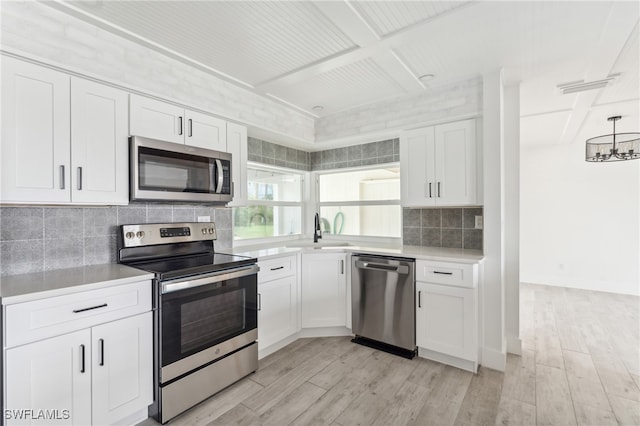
column 442, row 227
column 33, row 239
column 387, row 151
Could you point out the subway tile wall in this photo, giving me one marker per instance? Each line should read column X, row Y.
column 442, row 227
column 33, row 239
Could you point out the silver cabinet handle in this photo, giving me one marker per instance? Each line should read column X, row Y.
column 429, row 189
column 79, row 178
column 190, row 127
column 341, row 267
column 62, row 176
column 101, row 343
column 82, row 369
column 279, row 267
column 438, row 189
column 259, row 302
column 443, row 273
column 179, row 125
column 419, row 299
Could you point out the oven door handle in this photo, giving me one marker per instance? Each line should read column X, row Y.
column 191, row 282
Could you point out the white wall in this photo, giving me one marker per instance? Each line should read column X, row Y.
column 43, row 33
column 580, row 222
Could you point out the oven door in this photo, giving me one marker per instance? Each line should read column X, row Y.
column 165, row 171
column 203, row 319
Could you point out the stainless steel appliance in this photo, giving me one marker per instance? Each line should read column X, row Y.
column 383, row 303
column 205, row 311
column 165, row 171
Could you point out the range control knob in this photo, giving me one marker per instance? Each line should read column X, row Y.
column 140, row 234
column 129, row 235
column 210, row 230
column 204, row 231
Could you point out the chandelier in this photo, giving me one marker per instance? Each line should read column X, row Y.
column 614, row 147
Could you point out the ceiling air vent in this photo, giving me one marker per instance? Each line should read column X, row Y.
column 582, row 86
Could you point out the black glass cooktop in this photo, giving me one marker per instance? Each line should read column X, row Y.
column 185, row 266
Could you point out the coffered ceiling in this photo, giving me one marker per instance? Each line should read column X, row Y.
column 337, row 55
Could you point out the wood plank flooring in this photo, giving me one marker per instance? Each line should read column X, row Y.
column 580, row 366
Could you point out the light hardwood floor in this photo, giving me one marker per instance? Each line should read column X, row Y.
column 580, row 365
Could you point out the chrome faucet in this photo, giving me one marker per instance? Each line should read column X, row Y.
column 317, row 234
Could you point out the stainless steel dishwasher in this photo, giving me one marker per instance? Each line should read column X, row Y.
column 383, row 303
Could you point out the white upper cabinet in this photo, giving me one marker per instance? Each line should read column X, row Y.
column 160, row 120
column 156, row 119
column 64, row 139
column 205, row 131
column 99, row 143
column 35, row 133
column 237, row 147
column 438, row 165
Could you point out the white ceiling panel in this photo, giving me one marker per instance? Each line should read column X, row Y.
column 387, row 17
column 251, row 41
column 543, row 129
column 342, row 88
column 627, row 85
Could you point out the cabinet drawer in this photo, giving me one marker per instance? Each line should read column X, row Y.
column 271, row 269
column 39, row 319
column 455, row 274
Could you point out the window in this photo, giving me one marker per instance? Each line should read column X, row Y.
column 362, row 202
column 274, row 204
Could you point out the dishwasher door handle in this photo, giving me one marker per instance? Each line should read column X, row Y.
column 400, row 269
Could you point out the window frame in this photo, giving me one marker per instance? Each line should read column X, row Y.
column 356, row 238
column 304, row 175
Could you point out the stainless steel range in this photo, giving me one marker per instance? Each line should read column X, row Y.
column 205, row 305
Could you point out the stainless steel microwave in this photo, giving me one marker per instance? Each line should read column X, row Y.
column 166, row 171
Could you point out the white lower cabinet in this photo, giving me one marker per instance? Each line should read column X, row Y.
column 121, row 357
column 447, row 314
column 93, row 375
column 324, row 290
column 278, row 300
column 49, row 375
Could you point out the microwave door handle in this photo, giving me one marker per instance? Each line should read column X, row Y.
column 220, row 176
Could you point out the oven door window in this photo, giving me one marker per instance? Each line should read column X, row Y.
column 198, row 318
column 176, row 172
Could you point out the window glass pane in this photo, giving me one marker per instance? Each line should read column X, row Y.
column 266, row 221
column 267, row 185
column 378, row 221
column 374, row 184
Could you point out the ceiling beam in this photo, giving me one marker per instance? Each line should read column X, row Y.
column 605, row 55
column 371, row 45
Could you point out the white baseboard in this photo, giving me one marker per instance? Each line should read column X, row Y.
column 325, row 332
column 135, row 418
column 514, row 345
column 463, row 364
column 493, row 359
column 277, row 346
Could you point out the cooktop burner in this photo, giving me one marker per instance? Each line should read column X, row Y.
column 169, row 268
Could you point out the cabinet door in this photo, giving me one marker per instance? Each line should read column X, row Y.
column 237, row 146
column 156, row 119
column 52, row 374
column 277, row 314
column 35, row 133
column 445, row 319
column 122, row 362
column 324, row 290
column 99, row 143
column 205, row 131
column 455, row 159
column 417, row 167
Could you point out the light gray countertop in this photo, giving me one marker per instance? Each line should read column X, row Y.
column 417, row 252
column 40, row 285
